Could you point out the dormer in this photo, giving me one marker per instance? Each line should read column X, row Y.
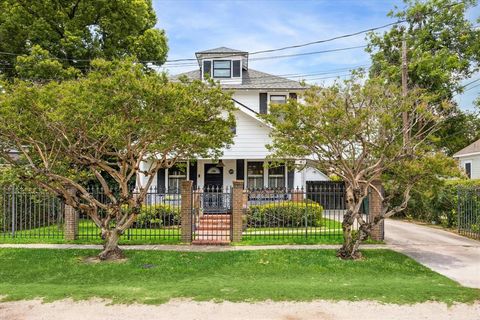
column 223, row 64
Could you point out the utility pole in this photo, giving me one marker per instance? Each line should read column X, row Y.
column 406, row 135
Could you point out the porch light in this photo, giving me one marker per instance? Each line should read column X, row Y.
column 220, row 164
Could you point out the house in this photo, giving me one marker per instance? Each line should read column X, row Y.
column 469, row 160
column 245, row 159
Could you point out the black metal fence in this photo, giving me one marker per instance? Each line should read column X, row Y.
column 310, row 213
column 468, row 211
column 26, row 213
column 268, row 214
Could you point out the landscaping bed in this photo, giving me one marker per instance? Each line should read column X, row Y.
column 280, row 275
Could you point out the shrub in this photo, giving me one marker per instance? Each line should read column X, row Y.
column 162, row 215
column 285, row 214
column 438, row 204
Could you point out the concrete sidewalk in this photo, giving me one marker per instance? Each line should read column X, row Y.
column 447, row 253
column 188, row 248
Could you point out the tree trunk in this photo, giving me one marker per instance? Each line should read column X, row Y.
column 111, row 251
column 349, row 249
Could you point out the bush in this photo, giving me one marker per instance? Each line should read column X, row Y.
column 161, row 215
column 438, row 204
column 285, row 214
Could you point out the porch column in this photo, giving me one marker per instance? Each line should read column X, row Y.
column 186, row 211
column 237, row 210
column 375, row 207
column 71, row 223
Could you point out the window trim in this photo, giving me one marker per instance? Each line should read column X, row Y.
column 229, row 69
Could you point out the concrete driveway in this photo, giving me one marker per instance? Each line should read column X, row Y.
column 452, row 255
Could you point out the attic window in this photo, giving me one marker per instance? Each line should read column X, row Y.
column 222, row 68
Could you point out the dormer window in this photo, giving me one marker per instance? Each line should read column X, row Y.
column 222, row 69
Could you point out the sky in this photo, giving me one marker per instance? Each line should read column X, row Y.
column 252, row 25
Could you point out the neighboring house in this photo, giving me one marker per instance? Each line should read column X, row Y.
column 253, row 92
column 469, row 160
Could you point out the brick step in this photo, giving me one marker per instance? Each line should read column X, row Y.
column 215, row 216
column 213, row 228
column 211, row 242
column 213, row 233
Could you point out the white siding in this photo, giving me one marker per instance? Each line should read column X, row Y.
column 249, row 98
column 250, row 140
column 475, row 161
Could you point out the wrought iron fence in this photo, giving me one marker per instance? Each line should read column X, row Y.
column 29, row 213
column 26, row 213
column 468, row 211
column 309, row 213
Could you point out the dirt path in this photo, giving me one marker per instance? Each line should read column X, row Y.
column 183, row 310
column 452, row 255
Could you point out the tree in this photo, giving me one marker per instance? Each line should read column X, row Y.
column 443, row 48
column 355, row 131
column 103, row 125
column 73, row 32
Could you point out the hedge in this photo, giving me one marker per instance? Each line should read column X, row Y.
column 285, row 214
column 160, row 215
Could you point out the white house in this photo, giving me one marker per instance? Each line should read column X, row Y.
column 469, row 159
column 246, row 158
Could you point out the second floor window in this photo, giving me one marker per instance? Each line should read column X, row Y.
column 222, row 69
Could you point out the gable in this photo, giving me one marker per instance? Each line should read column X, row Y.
column 250, row 140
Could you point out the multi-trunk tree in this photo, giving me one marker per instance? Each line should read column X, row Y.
column 102, row 126
column 355, row 131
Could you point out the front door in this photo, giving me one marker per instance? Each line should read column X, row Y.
column 213, row 177
column 215, row 200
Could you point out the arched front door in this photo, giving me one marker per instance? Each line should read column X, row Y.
column 213, row 177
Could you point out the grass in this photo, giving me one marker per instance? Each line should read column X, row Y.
column 328, row 233
column 155, row 277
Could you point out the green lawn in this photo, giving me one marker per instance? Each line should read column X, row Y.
column 156, row 277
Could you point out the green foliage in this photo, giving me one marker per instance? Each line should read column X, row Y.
column 161, row 215
column 285, row 214
column 437, row 203
column 75, row 32
column 443, row 48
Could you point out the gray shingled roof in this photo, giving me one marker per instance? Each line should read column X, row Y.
column 221, row 50
column 252, row 79
column 473, row 148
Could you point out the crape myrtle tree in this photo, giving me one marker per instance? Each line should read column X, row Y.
column 354, row 130
column 104, row 125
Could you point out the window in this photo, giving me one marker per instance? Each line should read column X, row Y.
column 279, row 99
column 276, row 177
column 468, row 169
column 221, row 69
column 176, row 175
column 207, row 69
column 255, row 175
column 236, row 68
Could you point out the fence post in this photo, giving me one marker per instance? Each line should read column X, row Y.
column 375, row 207
column 186, row 211
column 71, row 222
column 237, row 211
